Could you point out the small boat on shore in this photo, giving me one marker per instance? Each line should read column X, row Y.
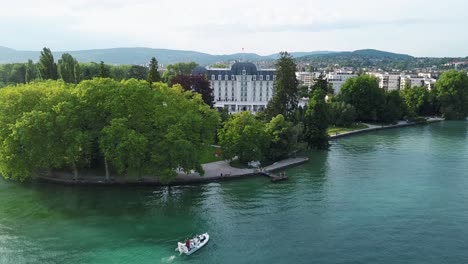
column 192, row 245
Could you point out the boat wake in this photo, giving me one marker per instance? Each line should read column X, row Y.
column 168, row 259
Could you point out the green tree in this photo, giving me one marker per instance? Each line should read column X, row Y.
column 279, row 131
column 125, row 127
column 182, row 68
column 285, row 96
column 452, row 88
column 153, row 73
column 91, row 70
column 104, row 70
column 416, row 100
column 124, row 147
column 31, row 71
column 77, row 72
column 18, row 73
column 303, row 91
column 138, row 72
column 316, row 120
column 342, row 114
column 47, row 66
column 119, row 72
column 393, row 109
column 198, row 84
column 364, row 94
column 219, row 65
column 245, row 137
column 67, row 66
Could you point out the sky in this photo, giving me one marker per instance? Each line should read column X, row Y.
column 414, row 27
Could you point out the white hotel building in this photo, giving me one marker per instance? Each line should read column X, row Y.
column 242, row 87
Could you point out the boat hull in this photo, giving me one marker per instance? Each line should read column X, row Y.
column 197, row 244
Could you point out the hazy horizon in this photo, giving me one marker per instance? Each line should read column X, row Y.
column 263, row 27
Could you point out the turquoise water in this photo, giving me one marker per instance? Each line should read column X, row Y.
column 394, row 196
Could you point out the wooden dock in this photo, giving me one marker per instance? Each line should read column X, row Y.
column 274, row 177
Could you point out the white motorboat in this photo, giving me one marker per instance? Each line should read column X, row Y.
column 192, row 245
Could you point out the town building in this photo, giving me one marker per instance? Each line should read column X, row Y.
column 307, row 78
column 242, row 87
column 338, row 78
column 387, row 81
column 421, row 79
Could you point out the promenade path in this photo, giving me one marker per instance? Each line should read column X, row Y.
column 376, row 127
column 222, row 170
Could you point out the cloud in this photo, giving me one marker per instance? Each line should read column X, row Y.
column 311, row 27
column 222, row 26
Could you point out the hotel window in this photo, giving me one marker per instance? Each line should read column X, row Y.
column 219, row 77
column 232, row 77
column 268, row 77
column 274, row 77
column 254, row 77
column 244, row 72
column 213, row 77
column 226, row 77
column 261, row 77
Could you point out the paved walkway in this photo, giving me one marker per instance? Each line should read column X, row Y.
column 376, row 127
column 222, row 170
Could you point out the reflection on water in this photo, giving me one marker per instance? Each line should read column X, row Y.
column 391, row 196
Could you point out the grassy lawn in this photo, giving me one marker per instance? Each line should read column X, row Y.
column 333, row 130
column 209, row 154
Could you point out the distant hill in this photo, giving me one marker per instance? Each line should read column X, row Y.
column 364, row 53
column 8, row 55
column 366, row 58
column 142, row 56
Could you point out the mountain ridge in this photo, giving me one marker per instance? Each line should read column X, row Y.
column 142, row 55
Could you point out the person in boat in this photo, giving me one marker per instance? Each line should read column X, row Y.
column 187, row 244
column 202, row 238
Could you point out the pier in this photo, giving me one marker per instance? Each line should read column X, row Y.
column 274, row 177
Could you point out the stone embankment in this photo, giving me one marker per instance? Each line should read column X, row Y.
column 215, row 171
column 374, row 127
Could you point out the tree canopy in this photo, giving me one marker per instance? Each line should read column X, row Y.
column 245, row 137
column 47, row 65
column 138, row 131
column 364, row 94
column 196, row 83
column 452, row 89
column 317, row 116
column 153, row 73
column 181, row 68
column 69, row 69
column 285, row 96
column 103, row 70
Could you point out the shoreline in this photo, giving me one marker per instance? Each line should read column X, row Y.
column 215, row 171
column 376, row 128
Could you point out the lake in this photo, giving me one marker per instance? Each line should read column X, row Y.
column 391, row 196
